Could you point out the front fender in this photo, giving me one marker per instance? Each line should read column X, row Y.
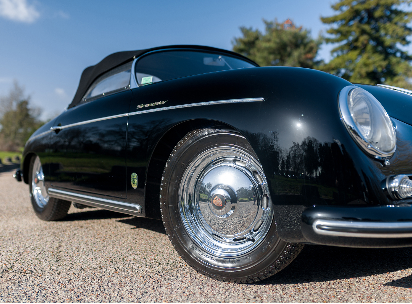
column 307, row 155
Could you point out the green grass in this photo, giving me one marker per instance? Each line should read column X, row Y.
column 5, row 154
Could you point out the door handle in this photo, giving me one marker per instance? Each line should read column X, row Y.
column 56, row 128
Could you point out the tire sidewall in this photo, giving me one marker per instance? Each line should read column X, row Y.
column 47, row 211
column 255, row 261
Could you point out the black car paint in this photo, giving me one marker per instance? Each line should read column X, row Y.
column 346, row 176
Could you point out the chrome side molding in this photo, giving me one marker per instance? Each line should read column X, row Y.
column 189, row 105
column 133, row 209
column 199, row 104
column 360, row 229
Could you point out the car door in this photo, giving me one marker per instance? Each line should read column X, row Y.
column 89, row 140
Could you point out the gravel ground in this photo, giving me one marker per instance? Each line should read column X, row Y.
column 100, row 256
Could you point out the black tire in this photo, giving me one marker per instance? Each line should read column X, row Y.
column 217, row 210
column 46, row 208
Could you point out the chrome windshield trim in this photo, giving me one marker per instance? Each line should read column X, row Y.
column 189, row 105
column 199, row 104
column 363, row 229
column 133, row 81
column 93, row 199
column 397, row 89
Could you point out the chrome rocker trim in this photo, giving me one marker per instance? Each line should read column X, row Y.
column 133, row 209
column 363, row 229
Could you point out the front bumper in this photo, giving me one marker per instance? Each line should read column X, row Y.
column 383, row 226
column 18, row 175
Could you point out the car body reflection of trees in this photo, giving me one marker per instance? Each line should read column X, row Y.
column 310, row 170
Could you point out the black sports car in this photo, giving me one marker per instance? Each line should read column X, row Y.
column 243, row 164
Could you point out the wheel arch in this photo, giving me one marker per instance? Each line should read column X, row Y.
column 161, row 154
column 26, row 166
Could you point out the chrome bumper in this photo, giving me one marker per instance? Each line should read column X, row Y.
column 379, row 226
column 362, row 229
column 18, row 175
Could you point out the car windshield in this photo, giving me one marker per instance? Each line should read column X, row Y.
column 165, row 65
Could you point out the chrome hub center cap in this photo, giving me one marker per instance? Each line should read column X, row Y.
column 39, row 177
column 224, row 201
column 39, row 191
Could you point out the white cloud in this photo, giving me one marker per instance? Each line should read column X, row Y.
column 18, row 10
column 60, row 92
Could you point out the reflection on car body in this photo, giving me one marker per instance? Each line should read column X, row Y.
column 244, row 164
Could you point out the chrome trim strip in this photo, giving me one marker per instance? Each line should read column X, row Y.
column 91, row 199
column 88, row 121
column 363, row 229
column 189, row 105
column 199, row 104
column 397, row 89
column 38, row 135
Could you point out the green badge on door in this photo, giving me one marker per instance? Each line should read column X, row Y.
column 134, row 180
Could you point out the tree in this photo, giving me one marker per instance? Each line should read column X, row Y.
column 282, row 44
column 17, row 119
column 369, row 34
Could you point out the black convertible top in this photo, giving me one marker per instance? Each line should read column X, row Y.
column 119, row 58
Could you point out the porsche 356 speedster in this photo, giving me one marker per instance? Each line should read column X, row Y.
column 243, row 164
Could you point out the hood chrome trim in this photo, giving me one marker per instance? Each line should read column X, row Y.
column 400, row 90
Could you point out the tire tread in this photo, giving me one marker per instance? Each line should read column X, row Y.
column 56, row 209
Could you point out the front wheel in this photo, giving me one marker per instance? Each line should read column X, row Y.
column 45, row 207
column 217, row 210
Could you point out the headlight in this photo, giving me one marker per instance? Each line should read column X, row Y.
column 367, row 122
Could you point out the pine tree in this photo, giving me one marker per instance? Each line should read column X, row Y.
column 369, row 34
column 282, row 44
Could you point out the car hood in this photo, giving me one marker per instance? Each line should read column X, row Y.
column 398, row 105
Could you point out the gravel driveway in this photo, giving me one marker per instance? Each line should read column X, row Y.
column 101, row 256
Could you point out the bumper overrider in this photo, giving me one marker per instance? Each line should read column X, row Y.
column 18, row 175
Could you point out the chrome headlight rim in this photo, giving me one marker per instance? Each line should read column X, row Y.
column 353, row 129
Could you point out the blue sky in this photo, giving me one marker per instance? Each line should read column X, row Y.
column 46, row 44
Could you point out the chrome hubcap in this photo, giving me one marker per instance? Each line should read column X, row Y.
column 224, row 202
column 39, row 191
